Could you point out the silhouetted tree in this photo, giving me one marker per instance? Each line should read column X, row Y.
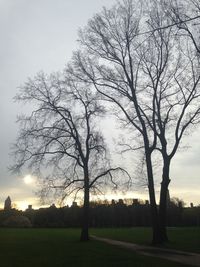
column 173, row 76
column 152, row 76
column 60, row 138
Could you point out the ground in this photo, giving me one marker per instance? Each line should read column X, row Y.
column 61, row 247
column 181, row 238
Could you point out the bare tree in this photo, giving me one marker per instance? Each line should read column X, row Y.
column 152, row 78
column 185, row 15
column 61, row 140
column 173, row 76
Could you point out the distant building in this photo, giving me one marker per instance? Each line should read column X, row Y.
column 74, row 204
column 120, row 202
column 113, row 202
column 7, row 204
column 136, row 201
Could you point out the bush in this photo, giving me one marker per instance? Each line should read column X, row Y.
column 17, row 221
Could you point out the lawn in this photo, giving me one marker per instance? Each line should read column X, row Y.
column 61, row 247
column 186, row 238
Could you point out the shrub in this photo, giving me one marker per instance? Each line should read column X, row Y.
column 17, row 221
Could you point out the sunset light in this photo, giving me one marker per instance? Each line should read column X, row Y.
column 28, row 179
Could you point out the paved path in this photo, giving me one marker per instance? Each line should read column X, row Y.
column 169, row 254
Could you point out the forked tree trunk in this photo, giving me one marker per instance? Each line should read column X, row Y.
column 157, row 238
column 163, row 200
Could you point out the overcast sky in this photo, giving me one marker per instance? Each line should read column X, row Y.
column 41, row 35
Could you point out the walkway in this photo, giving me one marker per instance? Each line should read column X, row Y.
column 168, row 254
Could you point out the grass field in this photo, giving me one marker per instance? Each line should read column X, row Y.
column 61, row 247
column 187, row 239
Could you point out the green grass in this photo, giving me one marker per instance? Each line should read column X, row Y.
column 61, row 247
column 187, row 238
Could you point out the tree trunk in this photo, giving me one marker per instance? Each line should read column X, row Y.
column 157, row 238
column 163, row 199
column 85, row 216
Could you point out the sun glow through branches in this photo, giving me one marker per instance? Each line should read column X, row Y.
column 28, row 179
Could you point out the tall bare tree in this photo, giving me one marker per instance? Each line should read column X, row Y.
column 173, row 76
column 151, row 74
column 60, row 138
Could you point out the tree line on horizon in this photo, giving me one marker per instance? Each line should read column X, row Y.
column 138, row 61
column 102, row 214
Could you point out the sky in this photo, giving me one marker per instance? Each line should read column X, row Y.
column 41, row 35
